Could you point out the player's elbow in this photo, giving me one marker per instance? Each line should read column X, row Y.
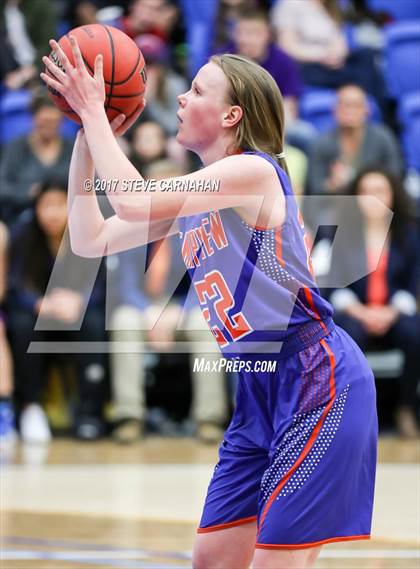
column 129, row 212
column 83, row 251
column 88, row 250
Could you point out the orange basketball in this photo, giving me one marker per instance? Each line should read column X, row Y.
column 123, row 64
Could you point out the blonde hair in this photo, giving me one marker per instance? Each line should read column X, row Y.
column 262, row 125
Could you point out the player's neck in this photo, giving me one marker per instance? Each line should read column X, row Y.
column 220, row 149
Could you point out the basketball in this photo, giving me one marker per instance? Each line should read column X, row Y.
column 123, row 65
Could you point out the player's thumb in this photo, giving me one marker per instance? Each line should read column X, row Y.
column 117, row 121
column 99, row 66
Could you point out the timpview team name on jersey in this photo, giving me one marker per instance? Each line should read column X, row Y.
column 201, row 242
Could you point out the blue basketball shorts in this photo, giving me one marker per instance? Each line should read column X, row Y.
column 299, row 456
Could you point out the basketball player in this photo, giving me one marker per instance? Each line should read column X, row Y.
column 297, row 464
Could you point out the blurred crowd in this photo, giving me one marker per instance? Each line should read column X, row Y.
column 349, row 73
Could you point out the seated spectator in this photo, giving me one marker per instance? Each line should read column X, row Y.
column 25, row 28
column 163, row 84
column 7, row 416
column 338, row 155
column 366, row 24
column 56, row 308
column 146, row 17
column 226, row 18
column 148, row 144
column 312, row 33
column 81, row 12
column 138, row 299
column 252, row 37
column 380, row 309
column 29, row 159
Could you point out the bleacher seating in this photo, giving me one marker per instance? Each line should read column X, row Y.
column 409, row 116
column 398, row 9
column 16, row 118
column 317, row 107
column 386, row 364
column 402, row 58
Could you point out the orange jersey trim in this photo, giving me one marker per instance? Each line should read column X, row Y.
column 311, row 544
column 261, row 228
column 279, row 248
column 312, row 438
column 312, row 306
column 227, row 525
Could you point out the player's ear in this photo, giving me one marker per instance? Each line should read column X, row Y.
column 232, row 116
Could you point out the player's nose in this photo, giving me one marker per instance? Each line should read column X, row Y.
column 181, row 99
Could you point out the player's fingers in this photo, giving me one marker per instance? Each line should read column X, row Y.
column 142, row 105
column 53, row 83
column 117, row 122
column 54, row 69
column 78, row 58
column 99, row 67
column 132, row 118
column 62, row 57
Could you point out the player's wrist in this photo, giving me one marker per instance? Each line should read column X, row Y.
column 81, row 137
column 92, row 112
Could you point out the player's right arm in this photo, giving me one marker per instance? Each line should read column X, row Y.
column 90, row 234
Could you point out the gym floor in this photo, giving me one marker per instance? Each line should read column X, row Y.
column 100, row 505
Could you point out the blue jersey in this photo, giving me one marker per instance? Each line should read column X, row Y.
column 302, row 438
column 255, row 286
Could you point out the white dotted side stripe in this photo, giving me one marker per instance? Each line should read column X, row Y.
column 265, row 244
column 290, row 449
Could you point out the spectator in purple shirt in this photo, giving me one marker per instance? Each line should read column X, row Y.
column 252, row 37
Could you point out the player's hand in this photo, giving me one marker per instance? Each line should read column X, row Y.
column 120, row 124
column 74, row 82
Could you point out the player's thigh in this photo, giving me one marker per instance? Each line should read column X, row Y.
column 229, row 547
column 285, row 558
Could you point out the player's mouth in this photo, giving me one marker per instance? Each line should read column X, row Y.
column 179, row 118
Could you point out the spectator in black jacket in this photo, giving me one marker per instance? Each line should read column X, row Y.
column 49, row 291
column 7, row 418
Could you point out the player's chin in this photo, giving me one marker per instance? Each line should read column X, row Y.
column 181, row 138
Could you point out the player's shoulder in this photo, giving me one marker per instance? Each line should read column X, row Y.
column 252, row 164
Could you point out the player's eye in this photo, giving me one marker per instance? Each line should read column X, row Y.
column 196, row 90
